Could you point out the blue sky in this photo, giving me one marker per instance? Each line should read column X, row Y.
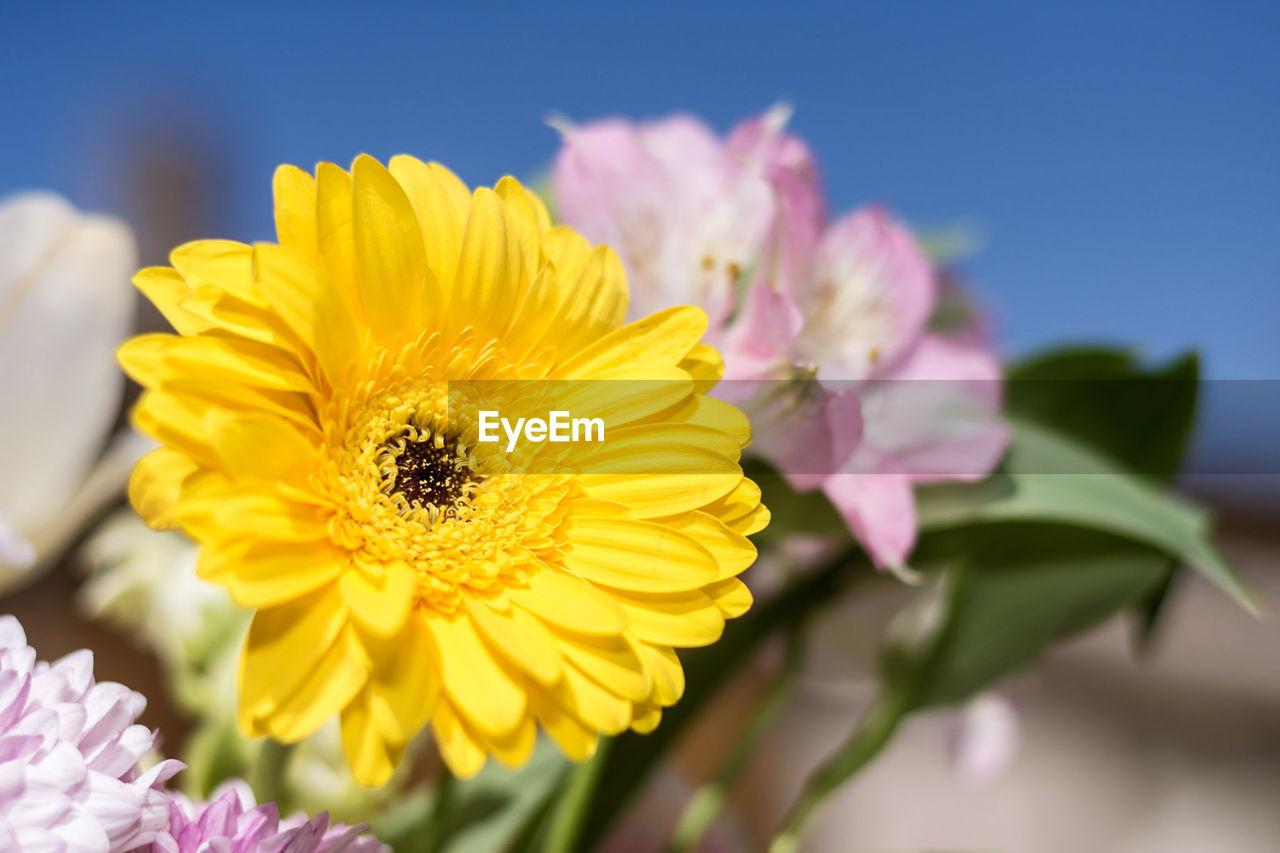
column 1120, row 162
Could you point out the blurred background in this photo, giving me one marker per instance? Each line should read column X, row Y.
column 1115, row 165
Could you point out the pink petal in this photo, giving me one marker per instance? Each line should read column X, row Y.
column 880, row 511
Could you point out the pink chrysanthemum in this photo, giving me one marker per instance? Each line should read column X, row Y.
column 231, row 823
column 69, row 752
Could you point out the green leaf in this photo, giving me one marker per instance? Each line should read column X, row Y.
column 485, row 814
column 1019, row 587
column 493, row 808
column 1047, row 477
column 1142, row 417
column 1137, row 416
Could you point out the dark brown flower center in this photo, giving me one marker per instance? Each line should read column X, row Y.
column 430, row 475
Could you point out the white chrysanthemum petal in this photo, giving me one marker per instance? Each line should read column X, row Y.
column 11, row 634
column 77, row 668
column 69, row 752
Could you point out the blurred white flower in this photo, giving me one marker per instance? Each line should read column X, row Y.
column 144, row 582
column 65, row 305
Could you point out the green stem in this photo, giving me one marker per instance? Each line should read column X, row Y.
column 435, row 829
column 570, row 813
column 903, row 676
column 869, row 737
column 709, row 800
column 267, row 778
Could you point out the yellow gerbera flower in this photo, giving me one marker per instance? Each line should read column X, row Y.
column 316, row 411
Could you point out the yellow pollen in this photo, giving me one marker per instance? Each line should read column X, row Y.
column 410, row 486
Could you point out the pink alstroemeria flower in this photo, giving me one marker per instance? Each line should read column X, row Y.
column 929, row 403
column 695, row 219
column 824, row 327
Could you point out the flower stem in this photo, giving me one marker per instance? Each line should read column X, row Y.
column 575, row 803
column 267, row 778
column 709, row 800
column 869, row 737
column 925, row 627
column 435, row 829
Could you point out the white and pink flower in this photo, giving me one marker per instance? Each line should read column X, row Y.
column 824, row 326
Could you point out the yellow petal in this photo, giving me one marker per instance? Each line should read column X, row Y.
column 659, row 449
column 561, row 599
column 400, row 294
column 261, row 574
column 637, row 555
column 165, row 288
column 371, row 759
column 156, row 484
column 733, row 552
column 528, row 216
column 741, row 509
column 224, row 312
column 405, row 677
column 381, row 603
column 514, row 749
column 177, row 421
column 534, row 316
column 521, row 638
column 577, row 739
column 754, row 522
column 489, row 269
column 593, row 292
column 612, row 662
column 310, row 305
column 480, row 687
column 459, row 749
column 336, row 680
column 336, row 232
column 442, row 204
column 220, row 265
column 668, row 674
column 621, row 396
column 524, row 204
column 295, row 198
column 705, row 365
column 731, row 596
column 154, row 360
column 254, row 515
column 663, row 338
column 295, row 408
column 684, row 619
column 646, row 719
column 598, row 707
column 285, row 645
column 253, row 444
column 718, row 415
column 659, row 469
